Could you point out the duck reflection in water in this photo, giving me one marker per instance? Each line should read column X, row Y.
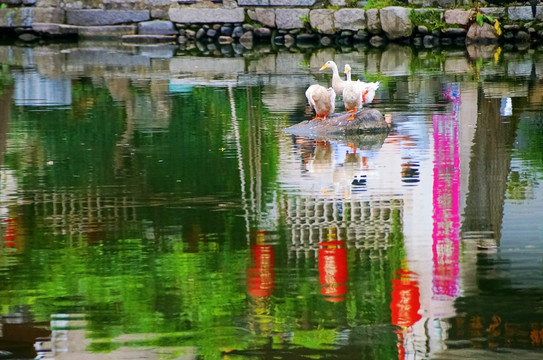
column 335, row 163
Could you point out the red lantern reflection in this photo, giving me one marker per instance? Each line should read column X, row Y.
column 11, row 233
column 405, row 303
column 261, row 277
column 333, row 270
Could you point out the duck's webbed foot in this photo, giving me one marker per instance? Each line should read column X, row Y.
column 324, row 116
column 353, row 111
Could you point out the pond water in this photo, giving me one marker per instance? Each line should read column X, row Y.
column 153, row 208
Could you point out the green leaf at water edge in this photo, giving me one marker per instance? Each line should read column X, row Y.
column 479, row 19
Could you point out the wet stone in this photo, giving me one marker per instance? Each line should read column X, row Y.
column 227, row 31
column 225, row 40
column 455, row 32
column 200, row 33
column 326, row 41
column 290, row 40
column 279, row 40
column 508, row 36
column 28, row 37
column 344, row 41
column 459, row 41
column 307, row 38
column 191, row 34
column 365, row 121
column 377, row 41
column 523, row 36
column 237, row 32
column 423, row 30
column 247, row 39
column 227, row 50
column 513, row 27
column 446, row 41
column 361, row 36
column 211, row 33
column 430, row 41
column 238, row 48
column 262, row 32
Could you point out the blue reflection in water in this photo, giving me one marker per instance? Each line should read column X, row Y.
column 34, row 89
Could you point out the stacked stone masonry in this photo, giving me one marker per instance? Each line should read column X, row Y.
column 283, row 22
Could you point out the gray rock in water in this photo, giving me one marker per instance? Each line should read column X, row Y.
column 365, row 121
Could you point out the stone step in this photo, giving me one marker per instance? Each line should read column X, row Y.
column 149, row 39
column 55, row 30
column 106, row 32
column 102, row 32
column 186, row 15
column 96, row 17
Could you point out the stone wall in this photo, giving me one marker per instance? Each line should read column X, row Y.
column 280, row 22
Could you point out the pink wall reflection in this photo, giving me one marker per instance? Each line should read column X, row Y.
column 446, row 198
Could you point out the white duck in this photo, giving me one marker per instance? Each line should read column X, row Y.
column 321, row 99
column 368, row 88
column 337, row 82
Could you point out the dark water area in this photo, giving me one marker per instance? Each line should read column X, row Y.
column 152, row 207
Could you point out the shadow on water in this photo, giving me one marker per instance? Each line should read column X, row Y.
column 152, row 206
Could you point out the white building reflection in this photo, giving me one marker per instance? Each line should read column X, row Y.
column 34, row 89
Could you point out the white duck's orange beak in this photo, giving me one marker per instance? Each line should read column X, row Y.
column 323, row 67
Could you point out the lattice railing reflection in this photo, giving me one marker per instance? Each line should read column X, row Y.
column 361, row 223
